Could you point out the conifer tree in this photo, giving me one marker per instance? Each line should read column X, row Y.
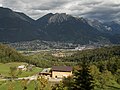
column 82, row 78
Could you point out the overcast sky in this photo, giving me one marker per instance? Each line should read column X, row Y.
column 98, row 9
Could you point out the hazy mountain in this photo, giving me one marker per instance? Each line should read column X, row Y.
column 100, row 26
column 25, row 17
column 15, row 26
column 64, row 27
column 115, row 26
column 115, row 32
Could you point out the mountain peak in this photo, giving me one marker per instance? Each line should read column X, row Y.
column 59, row 17
column 2, row 8
column 5, row 12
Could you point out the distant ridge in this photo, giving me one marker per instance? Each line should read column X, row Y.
column 16, row 26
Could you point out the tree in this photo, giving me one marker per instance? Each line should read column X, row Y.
column 82, row 78
column 13, row 72
column 24, row 83
column 10, row 85
column 36, row 85
column 43, row 82
column 68, row 82
column 59, row 86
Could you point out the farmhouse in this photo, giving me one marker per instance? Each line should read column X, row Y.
column 61, row 71
column 22, row 67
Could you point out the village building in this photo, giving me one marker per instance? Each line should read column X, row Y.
column 59, row 54
column 46, row 72
column 61, row 71
column 22, row 67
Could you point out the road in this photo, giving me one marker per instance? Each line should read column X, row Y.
column 34, row 77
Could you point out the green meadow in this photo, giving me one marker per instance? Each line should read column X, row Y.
column 5, row 69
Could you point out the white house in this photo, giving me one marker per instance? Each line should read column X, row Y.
column 22, row 67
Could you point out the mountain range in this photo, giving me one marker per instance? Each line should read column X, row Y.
column 16, row 26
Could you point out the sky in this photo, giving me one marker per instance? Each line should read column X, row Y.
column 104, row 10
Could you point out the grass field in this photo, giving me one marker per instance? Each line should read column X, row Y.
column 5, row 69
column 17, row 85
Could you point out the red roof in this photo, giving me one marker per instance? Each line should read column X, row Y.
column 62, row 68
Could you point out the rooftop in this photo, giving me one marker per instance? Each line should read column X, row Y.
column 62, row 68
column 46, row 70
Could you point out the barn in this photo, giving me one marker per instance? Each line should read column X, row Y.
column 61, row 71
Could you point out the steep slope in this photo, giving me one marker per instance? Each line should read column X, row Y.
column 115, row 26
column 15, row 26
column 100, row 26
column 8, row 54
column 115, row 31
column 25, row 17
column 64, row 27
column 43, row 20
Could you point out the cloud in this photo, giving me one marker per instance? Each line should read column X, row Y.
column 105, row 12
column 1, row 3
column 98, row 9
column 49, row 5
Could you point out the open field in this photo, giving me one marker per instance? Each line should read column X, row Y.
column 5, row 69
column 18, row 85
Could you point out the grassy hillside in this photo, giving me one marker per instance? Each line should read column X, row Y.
column 5, row 69
column 11, row 58
column 17, row 85
column 8, row 54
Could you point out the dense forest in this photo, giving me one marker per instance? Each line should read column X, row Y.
column 95, row 55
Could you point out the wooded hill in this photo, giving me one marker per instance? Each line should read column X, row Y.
column 95, row 55
column 8, row 54
column 46, row 59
